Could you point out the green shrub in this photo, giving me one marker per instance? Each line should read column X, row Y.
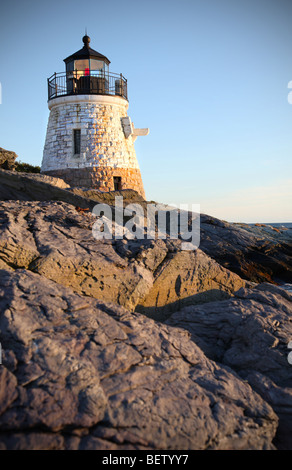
column 26, row 168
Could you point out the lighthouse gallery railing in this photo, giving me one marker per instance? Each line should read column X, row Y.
column 83, row 83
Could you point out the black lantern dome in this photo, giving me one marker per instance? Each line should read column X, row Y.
column 87, row 60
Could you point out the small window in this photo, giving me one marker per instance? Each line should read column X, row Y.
column 117, row 183
column 77, row 141
column 81, row 65
column 96, row 64
column 70, row 66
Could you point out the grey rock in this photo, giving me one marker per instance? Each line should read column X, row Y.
column 78, row 373
column 250, row 333
column 258, row 253
column 82, row 370
column 35, row 187
column 55, row 240
column 185, row 278
column 7, row 159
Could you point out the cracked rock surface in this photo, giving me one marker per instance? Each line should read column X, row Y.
column 54, row 240
column 258, row 253
column 78, row 373
column 87, row 361
column 250, row 333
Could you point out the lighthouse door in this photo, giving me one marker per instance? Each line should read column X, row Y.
column 117, row 183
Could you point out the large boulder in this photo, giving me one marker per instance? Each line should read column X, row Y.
column 19, row 186
column 78, row 373
column 187, row 278
column 250, row 333
column 56, row 240
column 7, row 159
column 258, row 253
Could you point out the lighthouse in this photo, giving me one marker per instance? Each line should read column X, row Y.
column 90, row 137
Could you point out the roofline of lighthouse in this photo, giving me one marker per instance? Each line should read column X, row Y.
column 86, row 53
column 99, row 99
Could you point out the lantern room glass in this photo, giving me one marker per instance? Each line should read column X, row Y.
column 84, row 67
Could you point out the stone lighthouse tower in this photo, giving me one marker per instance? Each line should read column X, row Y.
column 90, row 138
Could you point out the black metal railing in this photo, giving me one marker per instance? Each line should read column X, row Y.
column 81, row 83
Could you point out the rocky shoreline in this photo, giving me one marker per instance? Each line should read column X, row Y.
column 137, row 344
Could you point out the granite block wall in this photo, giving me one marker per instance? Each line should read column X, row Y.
column 105, row 151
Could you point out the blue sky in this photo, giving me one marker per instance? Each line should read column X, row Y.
column 208, row 77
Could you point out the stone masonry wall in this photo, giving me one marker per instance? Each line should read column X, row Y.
column 101, row 178
column 103, row 142
column 104, row 150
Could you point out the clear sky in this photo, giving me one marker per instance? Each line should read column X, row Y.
column 208, row 77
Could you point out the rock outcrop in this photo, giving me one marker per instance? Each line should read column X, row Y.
column 56, row 241
column 35, row 187
column 184, row 278
column 78, row 373
column 258, row 253
column 84, row 367
column 7, row 159
column 250, row 333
